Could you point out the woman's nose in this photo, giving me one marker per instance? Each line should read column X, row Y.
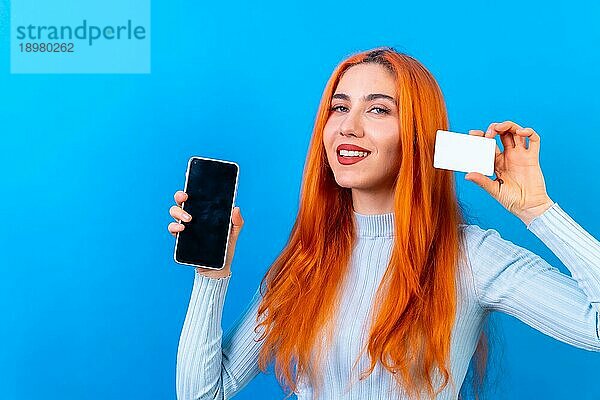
column 351, row 125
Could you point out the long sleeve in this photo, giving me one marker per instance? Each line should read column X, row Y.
column 514, row 280
column 209, row 366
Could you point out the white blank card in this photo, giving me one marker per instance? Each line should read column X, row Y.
column 464, row 152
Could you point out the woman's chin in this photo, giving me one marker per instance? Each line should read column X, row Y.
column 350, row 183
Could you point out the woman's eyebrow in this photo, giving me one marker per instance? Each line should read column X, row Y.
column 368, row 97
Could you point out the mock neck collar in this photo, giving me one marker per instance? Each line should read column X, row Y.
column 374, row 224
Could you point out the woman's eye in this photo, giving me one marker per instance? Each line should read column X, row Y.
column 336, row 108
column 341, row 108
column 382, row 110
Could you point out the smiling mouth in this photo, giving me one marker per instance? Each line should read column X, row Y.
column 346, row 157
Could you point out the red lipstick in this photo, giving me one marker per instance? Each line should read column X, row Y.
column 347, row 159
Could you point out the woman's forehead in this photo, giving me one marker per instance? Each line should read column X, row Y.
column 367, row 78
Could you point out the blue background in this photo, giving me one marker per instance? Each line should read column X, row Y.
column 91, row 300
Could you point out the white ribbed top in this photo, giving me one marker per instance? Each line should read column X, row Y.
column 500, row 276
column 374, row 225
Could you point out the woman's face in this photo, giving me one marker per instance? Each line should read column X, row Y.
column 364, row 113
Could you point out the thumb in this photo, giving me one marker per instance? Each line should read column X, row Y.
column 237, row 220
column 236, row 226
column 483, row 181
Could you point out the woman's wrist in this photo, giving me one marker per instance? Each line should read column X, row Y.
column 214, row 273
column 529, row 215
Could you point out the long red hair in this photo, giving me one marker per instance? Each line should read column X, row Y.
column 415, row 304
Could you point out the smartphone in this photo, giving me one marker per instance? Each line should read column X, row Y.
column 211, row 186
column 463, row 152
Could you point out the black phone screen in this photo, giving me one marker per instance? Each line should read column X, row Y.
column 211, row 188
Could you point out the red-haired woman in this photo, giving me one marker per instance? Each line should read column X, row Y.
column 383, row 289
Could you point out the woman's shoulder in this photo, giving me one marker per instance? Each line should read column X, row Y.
column 475, row 235
column 488, row 252
column 481, row 245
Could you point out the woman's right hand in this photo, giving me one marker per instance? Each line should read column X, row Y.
column 237, row 222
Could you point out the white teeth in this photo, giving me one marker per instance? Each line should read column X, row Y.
column 348, row 153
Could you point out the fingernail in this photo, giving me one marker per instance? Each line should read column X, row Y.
column 186, row 217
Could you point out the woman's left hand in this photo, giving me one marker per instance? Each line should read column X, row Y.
column 519, row 185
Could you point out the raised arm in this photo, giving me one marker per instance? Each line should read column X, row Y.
column 514, row 280
column 209, row 366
